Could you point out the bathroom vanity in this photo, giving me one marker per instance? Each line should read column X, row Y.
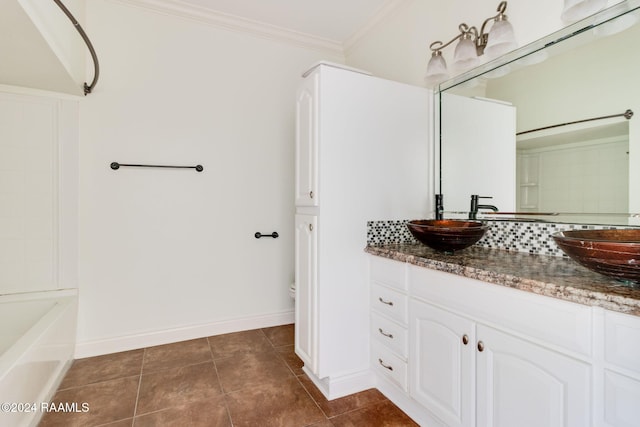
column 489, row 337
column 495, row 338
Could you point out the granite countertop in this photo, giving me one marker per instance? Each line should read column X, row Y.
column 557, row 277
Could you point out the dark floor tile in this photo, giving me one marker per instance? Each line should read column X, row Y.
column 176, row 355
column 325, row 423
column 177, row 386
column 285, row 404
column 204, row 413
column 384, row 414
column 102, row 368
column 288, row 354
column 252, row 369
column 122, row 423
column 239, row 343
column 280, row 335
column 343, row 404
column 108, row 401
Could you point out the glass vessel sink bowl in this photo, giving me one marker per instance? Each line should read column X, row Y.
column 447, row 235
column 614, row 253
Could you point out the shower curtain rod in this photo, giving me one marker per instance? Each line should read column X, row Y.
column 96, row 67
column 627, row 115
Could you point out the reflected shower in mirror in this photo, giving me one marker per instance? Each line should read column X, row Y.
column 584, row 172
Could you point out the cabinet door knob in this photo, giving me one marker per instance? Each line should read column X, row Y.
column 480, row 346
column 384, row 365
column 390, row 303
column 465, row 339
column 311, row 194
column 385, row 334
column 310, row 227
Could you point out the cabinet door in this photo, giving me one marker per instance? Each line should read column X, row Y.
column 306, row 310
column 441, row 368
column 620, row 387
column 525, row 385
column 306, row 167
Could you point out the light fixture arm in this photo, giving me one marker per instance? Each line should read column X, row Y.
column 481, row 40
column 466, row 32
column 472, row 44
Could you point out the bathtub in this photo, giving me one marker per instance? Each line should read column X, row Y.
column 37, row 340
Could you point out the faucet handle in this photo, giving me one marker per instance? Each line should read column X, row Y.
column 475, row 197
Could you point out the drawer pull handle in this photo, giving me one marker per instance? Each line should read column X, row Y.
column 385, row 366
column 385, row 334
column 465, row 339
column 480, row 346
column 390, row 303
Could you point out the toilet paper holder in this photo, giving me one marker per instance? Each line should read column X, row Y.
column 275, row 235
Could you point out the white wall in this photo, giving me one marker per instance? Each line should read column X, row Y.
column 398, row 48
column 171, row 254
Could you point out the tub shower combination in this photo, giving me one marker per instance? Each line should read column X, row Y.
column 37, row 339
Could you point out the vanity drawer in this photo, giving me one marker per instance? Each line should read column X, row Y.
column 388, row 272
column 622, row 340
column 388, row 365
column 390, row 334
column 389, row 302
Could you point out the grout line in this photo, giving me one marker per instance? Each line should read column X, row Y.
column 115, row 421
column 267, row 338
column 135, row 407
column 224, row 393
column 311, row 396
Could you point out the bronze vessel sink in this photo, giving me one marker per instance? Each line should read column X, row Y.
column 614, row 253
column 447, row 235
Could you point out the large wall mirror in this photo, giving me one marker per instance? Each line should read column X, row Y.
column 548, row 131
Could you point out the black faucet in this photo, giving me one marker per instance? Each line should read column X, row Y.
column 439, row 206
column 473, row 212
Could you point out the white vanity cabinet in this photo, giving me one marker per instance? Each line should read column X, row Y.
column 486, row 355
column 520, row 383
column 461, row 367
column 306, row 311
column 350, row 127
column 474, row 367
column 443, row 363
column 389, row 317
column 306, row 165
column 618, row 383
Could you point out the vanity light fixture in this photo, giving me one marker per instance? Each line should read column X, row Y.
column 575, row 10
column 473, row 44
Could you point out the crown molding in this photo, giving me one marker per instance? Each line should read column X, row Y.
column 388, row 8
column 237, row 23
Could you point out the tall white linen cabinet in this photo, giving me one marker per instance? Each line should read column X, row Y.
column 363, row 153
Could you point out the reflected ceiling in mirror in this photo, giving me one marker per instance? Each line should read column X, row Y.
column 578, row 173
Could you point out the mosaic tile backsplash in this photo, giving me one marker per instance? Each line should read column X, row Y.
column 530, row 237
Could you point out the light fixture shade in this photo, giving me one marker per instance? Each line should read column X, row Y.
column 436, row 70
column 617, row 25
column 465, row 55
column 575, row 10
column 498, row 72
column 501, row 39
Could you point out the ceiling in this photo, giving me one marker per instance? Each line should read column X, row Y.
column 335, row 20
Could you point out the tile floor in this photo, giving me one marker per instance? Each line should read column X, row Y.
column 251, row 378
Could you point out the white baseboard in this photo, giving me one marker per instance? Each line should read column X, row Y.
column 336, row 387
column 132, row 342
